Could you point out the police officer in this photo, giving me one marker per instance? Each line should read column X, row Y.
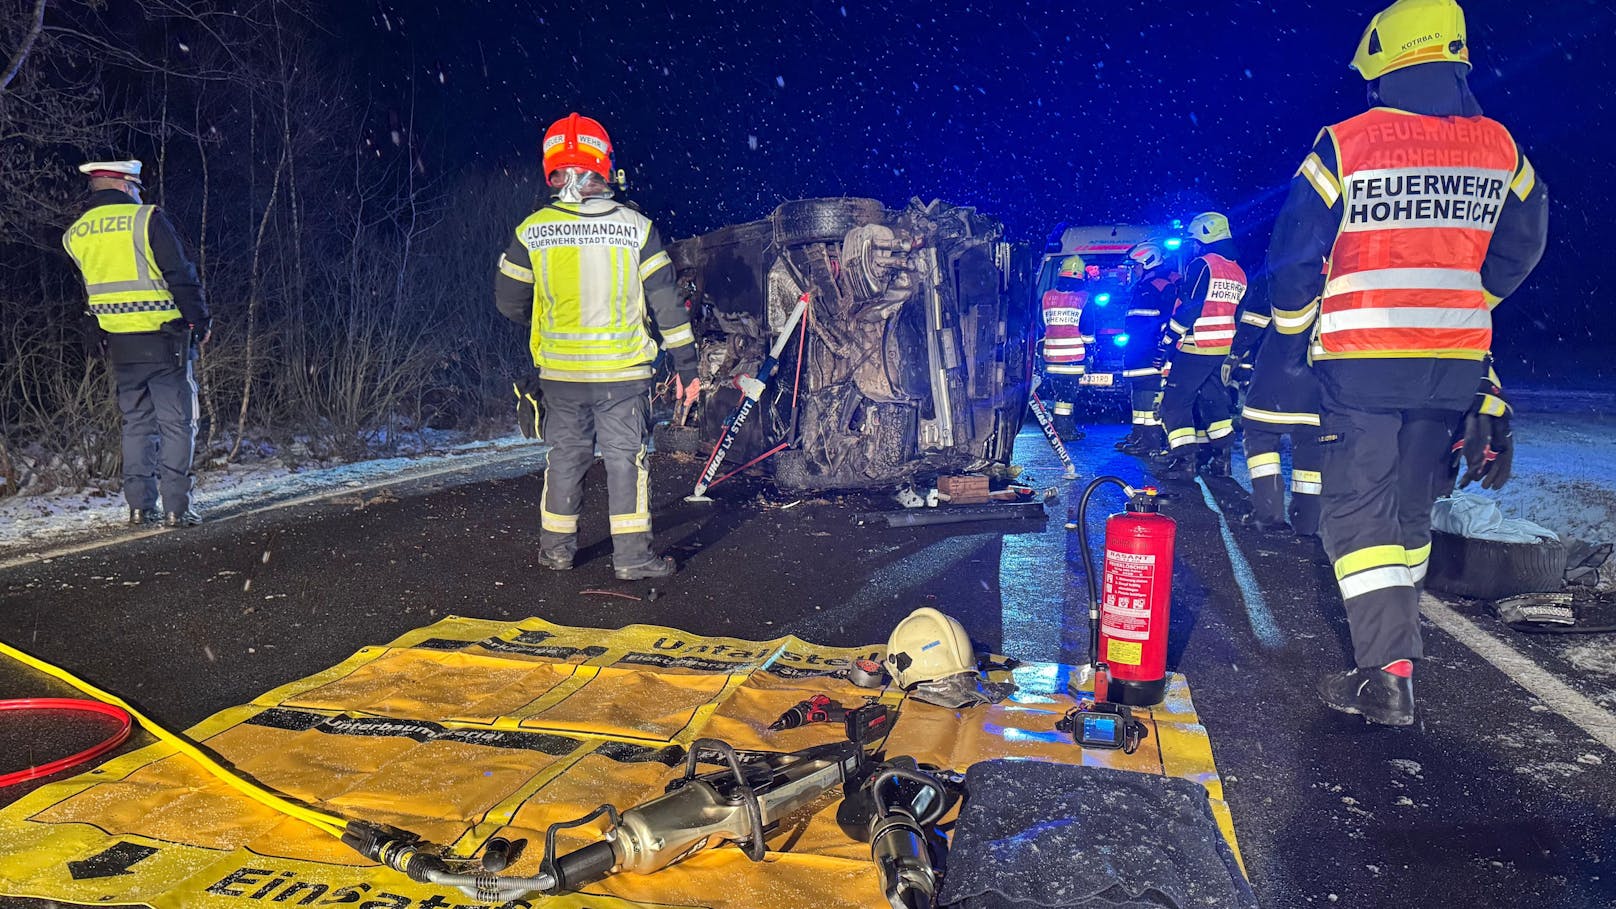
column 148, row 306
column 1065, row 346
column 582, row 272
column 1281, row 399
column 1199, row 335
column 1155, row 296
column 1427, row 214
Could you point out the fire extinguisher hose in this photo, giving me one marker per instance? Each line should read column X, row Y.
column 1088, row 559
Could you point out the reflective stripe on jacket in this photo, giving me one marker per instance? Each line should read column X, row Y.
column 1064, row 348
column 589, row 315
column 1422, row 196
column 1213, row 331
column 111, row 244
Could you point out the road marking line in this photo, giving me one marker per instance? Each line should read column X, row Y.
column 1257, row 613
column 305, row 499
column 1600, row 724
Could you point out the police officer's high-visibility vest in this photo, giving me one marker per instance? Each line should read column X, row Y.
column 1213, row 331
column 589, row 318
column 112, row 246
column 1421, row 196
column 1064, row 349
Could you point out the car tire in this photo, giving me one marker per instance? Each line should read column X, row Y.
column 1493, row 570
column 804, row 221
column 791, row 472
column 671, row 439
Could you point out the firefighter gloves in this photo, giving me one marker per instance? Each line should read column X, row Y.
column 1488, row 448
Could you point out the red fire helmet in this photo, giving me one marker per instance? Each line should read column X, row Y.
column 577, row 141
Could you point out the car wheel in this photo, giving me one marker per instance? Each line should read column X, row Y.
column 791, row 472
column 672, row 439
column 1493, row 570
column 822, row 220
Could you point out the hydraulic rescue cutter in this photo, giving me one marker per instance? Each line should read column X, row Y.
column 885, row 803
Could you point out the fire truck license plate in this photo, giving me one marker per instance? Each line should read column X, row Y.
column 1095, row 378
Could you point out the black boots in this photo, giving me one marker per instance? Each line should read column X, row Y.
column 186, row 518
column 1377, row 695
column 646, row 571
column 555, row 561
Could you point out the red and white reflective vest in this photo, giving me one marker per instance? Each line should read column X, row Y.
column 1064, row 348
column 1213, row 331
column 1421, row 197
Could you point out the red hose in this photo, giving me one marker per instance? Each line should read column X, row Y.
column 72, row 760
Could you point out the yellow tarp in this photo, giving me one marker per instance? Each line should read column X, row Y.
column 469, row 728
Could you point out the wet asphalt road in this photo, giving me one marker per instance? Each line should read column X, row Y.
column 1492, row 800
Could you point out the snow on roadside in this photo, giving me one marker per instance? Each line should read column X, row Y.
column 1562, row 476
column 30, row 523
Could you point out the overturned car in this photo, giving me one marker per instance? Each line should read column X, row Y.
column 912, row 358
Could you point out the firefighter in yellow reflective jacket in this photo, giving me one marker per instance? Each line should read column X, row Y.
column 1427, row 215
column 150, row 312
column 582, row 272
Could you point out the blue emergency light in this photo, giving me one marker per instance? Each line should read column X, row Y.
column 1102, row 299
column 1120, row 340
column 1173, row 243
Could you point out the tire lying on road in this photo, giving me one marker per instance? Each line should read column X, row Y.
column 1493, row 570
column 672, row 439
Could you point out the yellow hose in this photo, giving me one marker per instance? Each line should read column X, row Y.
column 329, row 823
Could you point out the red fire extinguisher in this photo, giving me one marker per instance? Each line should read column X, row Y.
column 1130, row 607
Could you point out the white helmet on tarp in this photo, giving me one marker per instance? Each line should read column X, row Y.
column 928, row 645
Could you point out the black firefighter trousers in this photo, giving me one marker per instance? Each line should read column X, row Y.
column 158, row 402
column 1383, row 470
column 1263, row 441
column 1194, row 386
column 578, row 418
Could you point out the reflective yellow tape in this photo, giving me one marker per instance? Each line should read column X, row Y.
column 1220, row 429
column 678, row 336
column 1418, row 556
column 631, row 523
column 1180, row 437
column 516, row 272
column 654, row 264
column 558, row 523
column 1324, row 182
column 1062, row 409
column 1263, row 465
column 1525, row 180
column 1356, row 585
column 1493, row 406
column 1370, row 557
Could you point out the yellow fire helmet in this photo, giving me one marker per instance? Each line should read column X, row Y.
column 1073, row 267
column 1210, row 227
column 1410, row 32
column 927, row 646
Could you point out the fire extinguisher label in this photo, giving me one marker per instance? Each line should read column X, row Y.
column 1127, row 653
column 1125, row 601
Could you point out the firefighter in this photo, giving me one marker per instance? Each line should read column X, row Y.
column 152, row 318
column 1427, row 214
column 1198, row 336
column 1065, row 346
column 1155, row 295
column 1281, row 399
column 582, row 272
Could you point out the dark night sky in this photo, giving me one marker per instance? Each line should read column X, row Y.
column 1034, row 113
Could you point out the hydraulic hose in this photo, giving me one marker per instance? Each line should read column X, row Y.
column 328, row 823
column 1088, row 559
column 73, row 760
